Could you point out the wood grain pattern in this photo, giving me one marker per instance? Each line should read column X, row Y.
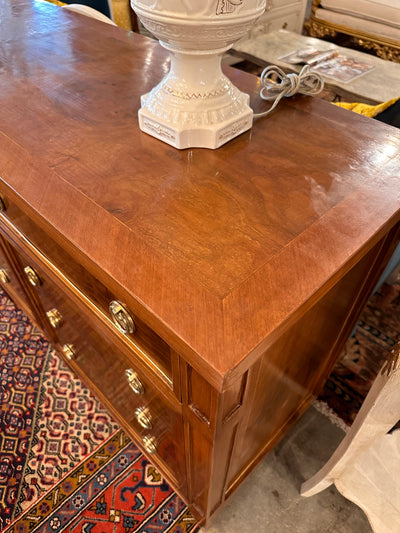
column 100, row 295
column 218, row 223
column 245, row 267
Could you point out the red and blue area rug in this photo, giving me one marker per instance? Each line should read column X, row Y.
column 66, row 466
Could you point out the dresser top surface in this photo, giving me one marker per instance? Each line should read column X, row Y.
column 221, row 247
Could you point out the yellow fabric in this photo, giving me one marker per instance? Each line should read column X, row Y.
column 122, row 13
column 365, row 109
column 57, row 3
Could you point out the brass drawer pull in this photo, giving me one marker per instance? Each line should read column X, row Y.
column 143, row 416
column 55, row 318
column 121, row 317
column 150, row 444
column 4, row 277
column 134, row 382
column 69, row 351
column 32, row 276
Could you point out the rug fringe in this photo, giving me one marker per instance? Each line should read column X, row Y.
column 325, row 410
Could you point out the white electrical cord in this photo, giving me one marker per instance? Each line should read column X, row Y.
column 276, row 84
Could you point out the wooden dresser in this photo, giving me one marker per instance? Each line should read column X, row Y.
column 203, row 295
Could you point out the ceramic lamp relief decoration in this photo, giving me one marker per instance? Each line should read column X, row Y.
column 195, row 104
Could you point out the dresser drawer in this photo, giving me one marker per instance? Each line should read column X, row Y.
column 10, row 282
column 153, row 419
column 141, row 335
column 282, row 14
column 286, row 20
column 8, row 277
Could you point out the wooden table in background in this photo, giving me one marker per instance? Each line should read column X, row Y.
column 243, row 269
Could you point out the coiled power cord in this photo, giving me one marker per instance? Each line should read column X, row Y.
column 276, row 85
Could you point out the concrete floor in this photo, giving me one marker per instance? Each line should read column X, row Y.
column 269, row 501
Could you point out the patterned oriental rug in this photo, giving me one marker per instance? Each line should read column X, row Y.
column 66, row 466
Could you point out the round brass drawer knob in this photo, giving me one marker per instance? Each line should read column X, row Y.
column 4, row 277
column 134, row 382
column 121, row 317
column 143, row 416
column 55, row 318
column 69, row 351
column 150, row 444
column 32, row 276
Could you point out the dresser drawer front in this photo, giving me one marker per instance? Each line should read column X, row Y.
column 107, row 371
column 280, row 16
column 11, row 284
column 104, row 367
column 142, row 336
column 8, row 278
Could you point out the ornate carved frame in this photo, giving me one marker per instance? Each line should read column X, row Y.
column 383, row 47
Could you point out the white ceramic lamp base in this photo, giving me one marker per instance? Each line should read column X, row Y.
column 195, row 104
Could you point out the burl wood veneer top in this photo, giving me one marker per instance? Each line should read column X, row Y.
column 218, row 249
